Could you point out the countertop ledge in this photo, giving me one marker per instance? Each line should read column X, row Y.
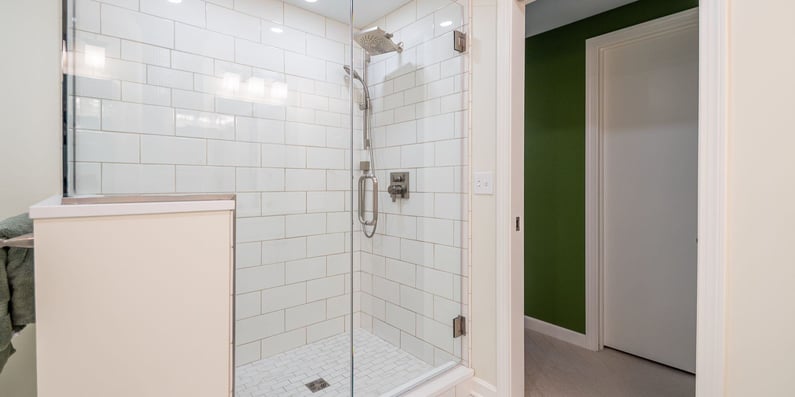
column 90, row 206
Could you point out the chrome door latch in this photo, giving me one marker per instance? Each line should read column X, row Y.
column 398, row 185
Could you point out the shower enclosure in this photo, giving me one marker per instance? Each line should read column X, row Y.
column 340, row 125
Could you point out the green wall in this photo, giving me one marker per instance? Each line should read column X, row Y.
column 555, row 160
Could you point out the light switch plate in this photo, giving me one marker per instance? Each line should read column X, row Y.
column 484, row 183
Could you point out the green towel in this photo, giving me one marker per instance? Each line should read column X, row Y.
column 17, row 305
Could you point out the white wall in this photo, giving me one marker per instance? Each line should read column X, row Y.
column 761, row 214
column 30, row 137
column 483, row 50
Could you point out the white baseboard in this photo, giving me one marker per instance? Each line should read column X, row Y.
column 557, row 332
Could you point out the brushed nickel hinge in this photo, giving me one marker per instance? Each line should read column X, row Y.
column 459, row 326
column 459, row 41
column 517, row 224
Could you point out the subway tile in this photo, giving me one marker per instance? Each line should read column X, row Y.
column 306, row 269
column 417, row 252
column 301, row 19
column 386, row 332
column 260, row 228
column 137, row 179
column 145, row 94
column 401, row 134
column 283, row 297
column 248, row 255
column 325, row 244
column 401, row 272
column 337, row 31
column 200, row 179
column 283, row 156
column 328, row 50
column 106, row 147
column 193, row 100
column 283, row 342
column 338, row 264
column 188, row 11
column 420, row 204
column 418, row 348
column 325, row 329
column 305, row 180
column 448, row 18
column 305, row 134
column 421, row 155
column 283, row 203
column 304, row 66
column 338, row 180
column 247, row 305
column 228, row 153
column 436, row 128
column 233, row 23
column 205, row 125
column 261, row 56
column 133, row 117
column 283, row 250
column 416, row 300
column 323, row 158
column 259, row 130
column 233, row 106
column 401, row 226
column 271, row 10
column 144, row 53
column 325, row 202
column 169, row 77
column 259, row 327
column 248, row 205
column 435, row 282
column 203, row 42
column 97, row 88
column 449, row 206
column 435, row 333
column 447, row 259
column 258, row 278
column 83, row 39
column 305, row 225
column 191, row 62
column 450, row 152
column 301, row 316
column 277, row 35
column 88, row 178
column 88, row 113
column 260, row 179
column 324, row 288
column 401, row 17
column 247, row 353
column 400, row 318
column 386, row 289
column 89, row 16
column 132, row 25
column 173, row 150
column 436, row 179
column 444, row 309
column 439, row 231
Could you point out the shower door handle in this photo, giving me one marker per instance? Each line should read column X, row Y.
column 362, row 194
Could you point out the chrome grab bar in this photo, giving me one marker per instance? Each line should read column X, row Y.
column 23, row 241
column 362, row 193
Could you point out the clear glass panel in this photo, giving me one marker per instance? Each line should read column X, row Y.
column 412, row 270
column 253, row 97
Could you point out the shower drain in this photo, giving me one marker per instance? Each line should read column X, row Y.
column 317, row 385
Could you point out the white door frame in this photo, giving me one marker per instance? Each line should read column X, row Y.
column 712, row 203
column 594, row 161
column 510, row 197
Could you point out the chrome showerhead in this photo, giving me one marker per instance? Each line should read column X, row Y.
column 376, row 41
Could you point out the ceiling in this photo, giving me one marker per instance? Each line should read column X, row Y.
column 365, row 11
column 544, row 15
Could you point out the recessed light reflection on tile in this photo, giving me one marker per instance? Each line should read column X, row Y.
column 446, row 24
column 277, row 30
column 94, row 56
column 278, row 90
column 175, row 1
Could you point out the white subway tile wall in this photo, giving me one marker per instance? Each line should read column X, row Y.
column 249, row 96
column 414, row 267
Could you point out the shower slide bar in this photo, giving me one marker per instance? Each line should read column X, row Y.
column 23, row 241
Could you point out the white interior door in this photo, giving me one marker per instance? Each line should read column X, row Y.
column 650, row 193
